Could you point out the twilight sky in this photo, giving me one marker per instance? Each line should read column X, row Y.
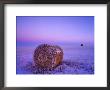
column 55, row 28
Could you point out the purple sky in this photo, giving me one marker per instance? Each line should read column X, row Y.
column 57, row 28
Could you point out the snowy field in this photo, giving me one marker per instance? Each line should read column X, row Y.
column 76, row 60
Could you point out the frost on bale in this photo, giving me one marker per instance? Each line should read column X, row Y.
column 48, row 56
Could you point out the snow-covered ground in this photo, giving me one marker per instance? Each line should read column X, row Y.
column 78, row 60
